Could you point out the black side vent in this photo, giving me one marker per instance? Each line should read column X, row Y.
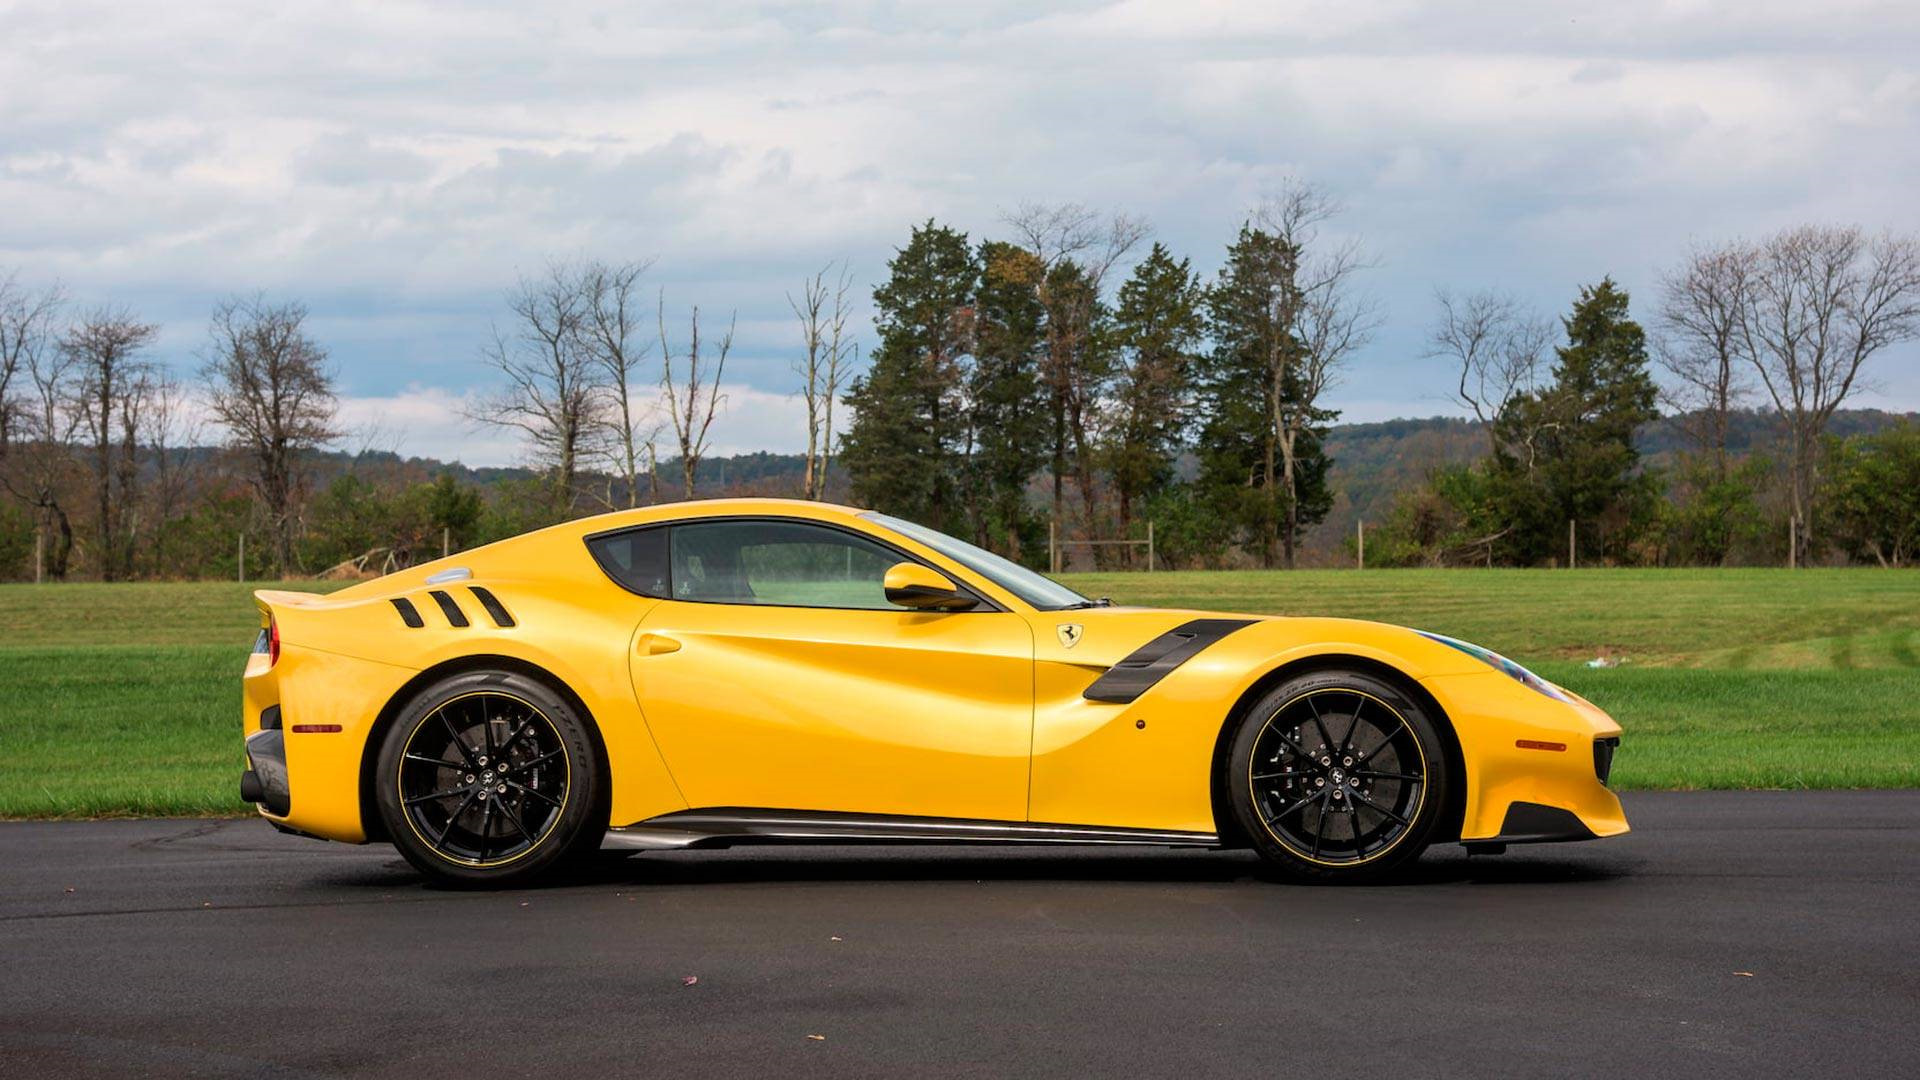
column 455, row 617
column 495, row 609
column 408, row 613
column 1136, row 673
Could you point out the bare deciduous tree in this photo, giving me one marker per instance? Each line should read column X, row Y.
column 553, row 392
column 1077, row 248
column 1497, row 347
column 692, row 414
column 169, row 427
column 106, row 348
column 1701, row 306
column 26, row 331
column 1329, row 321
column 38, row 470
column 1820, row 303
column 609, row 323
column 269, row 385
column 823, row 314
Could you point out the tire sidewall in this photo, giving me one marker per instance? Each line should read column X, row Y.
column 1286, row 862
column 572, row 834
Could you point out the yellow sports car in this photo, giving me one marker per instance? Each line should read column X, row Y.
column 752, row 671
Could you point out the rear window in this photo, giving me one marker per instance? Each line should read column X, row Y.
column 635, row 559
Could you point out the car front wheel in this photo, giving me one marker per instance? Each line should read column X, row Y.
column 1338, row 776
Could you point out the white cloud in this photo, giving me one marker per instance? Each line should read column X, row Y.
column 396, row 164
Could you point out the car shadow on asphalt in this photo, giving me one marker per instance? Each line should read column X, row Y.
column 770, row 865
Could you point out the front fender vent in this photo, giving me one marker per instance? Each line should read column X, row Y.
column 1136, row 673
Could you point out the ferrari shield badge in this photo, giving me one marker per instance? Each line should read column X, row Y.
column 1069, row 634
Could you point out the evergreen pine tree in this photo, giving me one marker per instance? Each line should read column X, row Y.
column 1158, row 322
column 1566, row 451
column 904, row 450
column 1007, row 407
column 1247, row 379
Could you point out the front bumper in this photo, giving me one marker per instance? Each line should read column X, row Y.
column 1536, row 768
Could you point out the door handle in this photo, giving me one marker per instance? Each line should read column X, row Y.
column 656, row 645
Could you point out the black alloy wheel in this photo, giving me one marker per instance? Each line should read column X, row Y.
column 1338, row 776
column 484, row 776
column 489, row 777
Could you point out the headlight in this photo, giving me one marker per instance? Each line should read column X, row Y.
column 1493, row 659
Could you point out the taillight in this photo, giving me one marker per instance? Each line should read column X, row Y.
column 268, row 642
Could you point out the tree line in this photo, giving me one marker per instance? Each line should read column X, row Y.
column 1790, row 322
column 1069, row 375
column 1011, row 359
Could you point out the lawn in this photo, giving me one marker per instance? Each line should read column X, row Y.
column 1721, row 678
column 123, row 699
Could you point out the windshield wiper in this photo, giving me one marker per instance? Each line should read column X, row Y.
column 1102, row 602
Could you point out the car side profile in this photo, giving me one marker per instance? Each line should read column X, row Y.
column 760, row 671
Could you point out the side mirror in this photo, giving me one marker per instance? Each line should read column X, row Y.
column 923, row 588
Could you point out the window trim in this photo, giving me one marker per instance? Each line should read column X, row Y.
column 986, row 603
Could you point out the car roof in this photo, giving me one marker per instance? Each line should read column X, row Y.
column 696, row 509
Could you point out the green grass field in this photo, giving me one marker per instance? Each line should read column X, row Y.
column 124, row 699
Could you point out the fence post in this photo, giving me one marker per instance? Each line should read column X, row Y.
column 39, row 554
column 445, row 533
column 1053, row 557
column 1571, row 564
column 1793, row 541
column 1360, row 543
column 1149, row 547
column 240, row 567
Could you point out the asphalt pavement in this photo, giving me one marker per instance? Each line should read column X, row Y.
column 1732, row 934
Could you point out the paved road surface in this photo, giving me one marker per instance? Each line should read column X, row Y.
column 1734, row 934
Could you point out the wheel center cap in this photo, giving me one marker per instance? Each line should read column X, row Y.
column 1338, row 776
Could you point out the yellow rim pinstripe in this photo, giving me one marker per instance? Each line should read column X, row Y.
column 1395, row 713
column 566, row 794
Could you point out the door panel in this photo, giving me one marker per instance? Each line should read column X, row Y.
column 884, row 712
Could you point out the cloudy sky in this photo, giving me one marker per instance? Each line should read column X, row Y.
column 395, row 165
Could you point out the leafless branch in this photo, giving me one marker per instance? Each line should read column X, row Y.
column 693, row 415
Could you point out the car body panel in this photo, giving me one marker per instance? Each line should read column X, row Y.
column 966, row 715
column 880, row 712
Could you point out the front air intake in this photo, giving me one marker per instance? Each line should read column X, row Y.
column 1603, row 756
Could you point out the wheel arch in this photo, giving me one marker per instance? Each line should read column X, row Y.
column 1227, row 826
column 372, row 823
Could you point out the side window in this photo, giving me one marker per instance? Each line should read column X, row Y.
column 786, row 563
column 635, row 559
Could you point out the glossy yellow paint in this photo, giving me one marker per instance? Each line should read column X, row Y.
column 973, row 714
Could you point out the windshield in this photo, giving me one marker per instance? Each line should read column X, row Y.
column 1040, row 591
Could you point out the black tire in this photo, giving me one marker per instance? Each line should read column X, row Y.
column 490, row 778
column 1338, row 776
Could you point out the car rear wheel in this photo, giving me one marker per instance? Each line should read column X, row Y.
column 1338, row 776
column 489, row 778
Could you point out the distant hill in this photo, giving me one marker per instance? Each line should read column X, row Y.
column 1371, row 462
